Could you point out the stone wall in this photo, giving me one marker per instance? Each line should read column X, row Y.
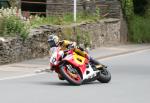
column 103, row 32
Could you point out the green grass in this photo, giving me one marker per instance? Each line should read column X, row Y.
column 62, row 20
column 13, row 26
column 139, row 28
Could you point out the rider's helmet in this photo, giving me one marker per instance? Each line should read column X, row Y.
column 53, row 40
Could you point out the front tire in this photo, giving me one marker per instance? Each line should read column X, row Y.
column 71, row 74
column 104, row 76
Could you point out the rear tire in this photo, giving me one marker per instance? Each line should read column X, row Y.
column 65, row 72
column 104, row 76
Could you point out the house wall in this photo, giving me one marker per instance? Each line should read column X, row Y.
column 59, row 7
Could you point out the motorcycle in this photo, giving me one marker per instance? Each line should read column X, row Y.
column 75, row 68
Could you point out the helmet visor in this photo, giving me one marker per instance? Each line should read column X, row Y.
column 52, row 43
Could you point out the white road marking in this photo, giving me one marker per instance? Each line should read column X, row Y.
column 21, row 76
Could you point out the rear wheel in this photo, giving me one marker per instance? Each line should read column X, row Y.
column 72, row 75
column 104, row 76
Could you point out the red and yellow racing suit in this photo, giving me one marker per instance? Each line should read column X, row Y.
column 65, row 45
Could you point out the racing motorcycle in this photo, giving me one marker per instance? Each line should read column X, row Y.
column 75, row 68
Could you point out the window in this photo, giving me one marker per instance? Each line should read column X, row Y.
column 4, row 4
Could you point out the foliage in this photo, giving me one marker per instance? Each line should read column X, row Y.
column 14, row 27
column 78, row 35
column 127, row 7
column 68, row 33
column 139, row 29
column 97, row 12
column 61, row 20
column 83, row 38
column 140, row 6
column 138, row 20
column 12, row 24
column 6, row 12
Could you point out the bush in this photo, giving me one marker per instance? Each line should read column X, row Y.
column 140, row 6
column 68, row 33
column 139, row 29
column 137, row 19
column 12, row 24
column 78, row 35
column 127, row 7
column 83, row 38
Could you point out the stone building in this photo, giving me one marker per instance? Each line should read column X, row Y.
column 59, row 7
column 48, row 7
column 33, row 7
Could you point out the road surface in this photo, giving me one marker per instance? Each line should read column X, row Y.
column 130, row 84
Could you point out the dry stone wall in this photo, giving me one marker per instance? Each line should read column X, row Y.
column 103, row 32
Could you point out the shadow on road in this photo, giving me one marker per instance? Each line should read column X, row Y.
column 65, row 83
column 53, row 83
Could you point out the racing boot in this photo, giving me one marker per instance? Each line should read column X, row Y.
column 97, row 64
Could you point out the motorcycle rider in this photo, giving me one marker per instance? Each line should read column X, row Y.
column 54, row 41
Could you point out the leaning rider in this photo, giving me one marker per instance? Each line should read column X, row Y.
column 54, row 41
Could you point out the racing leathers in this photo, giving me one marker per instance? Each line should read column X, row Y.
column 65, row 44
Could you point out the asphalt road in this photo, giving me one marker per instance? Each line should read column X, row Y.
column 130, row 84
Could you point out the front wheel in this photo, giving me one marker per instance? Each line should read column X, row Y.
column 71, row 74
column 104, row 76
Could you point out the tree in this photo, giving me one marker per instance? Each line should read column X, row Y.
column 140, row 6
column 127, row 7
